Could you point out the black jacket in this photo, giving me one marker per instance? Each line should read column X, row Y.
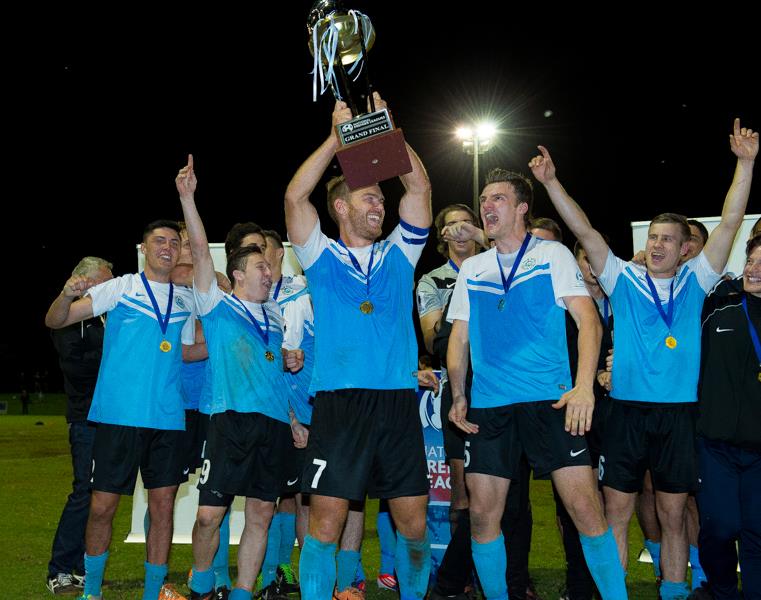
column 79, row 348
column 730, row 390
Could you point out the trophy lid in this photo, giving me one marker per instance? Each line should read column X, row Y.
column 327, row 14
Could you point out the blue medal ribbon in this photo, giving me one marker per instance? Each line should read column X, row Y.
column 277, row 288
column 357, row 266
column 163, row 321
column 753, row 332
column 454, row 266
column 668, row 317
column 265, row 334
column 506, row 282
column 605, row 310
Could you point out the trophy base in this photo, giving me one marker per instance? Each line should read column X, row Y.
column 370, row 161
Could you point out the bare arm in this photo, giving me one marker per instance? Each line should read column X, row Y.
column 198, row 351
column 428, row 324
column 544, row 170
column 300, row 214
column 463, row 232
column 580, row 401
column 203, row 266
column 70, row 307
column 415, row 205
column 458, row 356
column 744, row 144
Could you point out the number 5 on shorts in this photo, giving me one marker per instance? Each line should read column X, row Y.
column 321, row 464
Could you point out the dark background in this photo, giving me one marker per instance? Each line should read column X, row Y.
column 104, row 106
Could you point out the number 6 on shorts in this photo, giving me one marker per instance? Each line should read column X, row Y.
column 321, row 464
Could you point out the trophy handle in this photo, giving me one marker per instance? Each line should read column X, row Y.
column 366, row 66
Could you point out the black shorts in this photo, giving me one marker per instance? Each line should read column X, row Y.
column 365, row 442
column 454, row 437
column 599, row 418
column 243, row 456
column 293, row 467
column 641, row 435
column 196, row 425
column 537, row 429
column 119, row 451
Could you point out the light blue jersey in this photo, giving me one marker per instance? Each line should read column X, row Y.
column 645, row 369
column 243, row 378
column 138, row 384
column 354, row 349
column 296, row 305
column 519, row 353
column 193, row 375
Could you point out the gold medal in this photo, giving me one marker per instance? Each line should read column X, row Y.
column 269, row 356
column 165, row 346
column 759, row 375
column 366, row 307
column 671, row 342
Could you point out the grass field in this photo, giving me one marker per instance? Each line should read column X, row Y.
column 36, row 473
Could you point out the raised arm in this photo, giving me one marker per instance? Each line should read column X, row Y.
column 543, row 169
column 300, row 213
column 203, row 266
column 66, row 309
column 744, row 144
column 415, row 205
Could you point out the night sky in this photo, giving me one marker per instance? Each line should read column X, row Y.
column 106, row 106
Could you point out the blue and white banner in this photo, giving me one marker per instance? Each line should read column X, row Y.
column 438, row 475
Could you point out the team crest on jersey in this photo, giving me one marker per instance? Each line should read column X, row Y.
column 579, row 276
column 180, row 302
column 528, row 263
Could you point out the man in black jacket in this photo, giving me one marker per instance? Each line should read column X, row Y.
column 79, row 348
column 729, row 436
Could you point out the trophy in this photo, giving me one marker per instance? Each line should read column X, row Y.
column 372, row 148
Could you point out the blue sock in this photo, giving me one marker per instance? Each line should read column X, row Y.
column 490, row 560
column 359, row 575
column 317, row 569
column 239, row 594
column 222, row 557
column 346, row 563
column 202, row 582
column 154, row 579
column 387, row 538
column 287, row 535
column 698, row 576
column 271, row 554
column 94, row 567
column 654, row 548
column 673, row 590
column 413, row 566
column 601, row 554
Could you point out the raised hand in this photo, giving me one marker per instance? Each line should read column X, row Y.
column 77, row 285
column 542, row 166
column 186, row 181
column 743, row 142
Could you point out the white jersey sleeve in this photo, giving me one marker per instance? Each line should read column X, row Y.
column 312, row 249
column 705, row 274
column 459, row 305
column 410, row 240
column 566, row 276
column 614, row 266
column 105, row 296
column 295, row 314
column 207, row 301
